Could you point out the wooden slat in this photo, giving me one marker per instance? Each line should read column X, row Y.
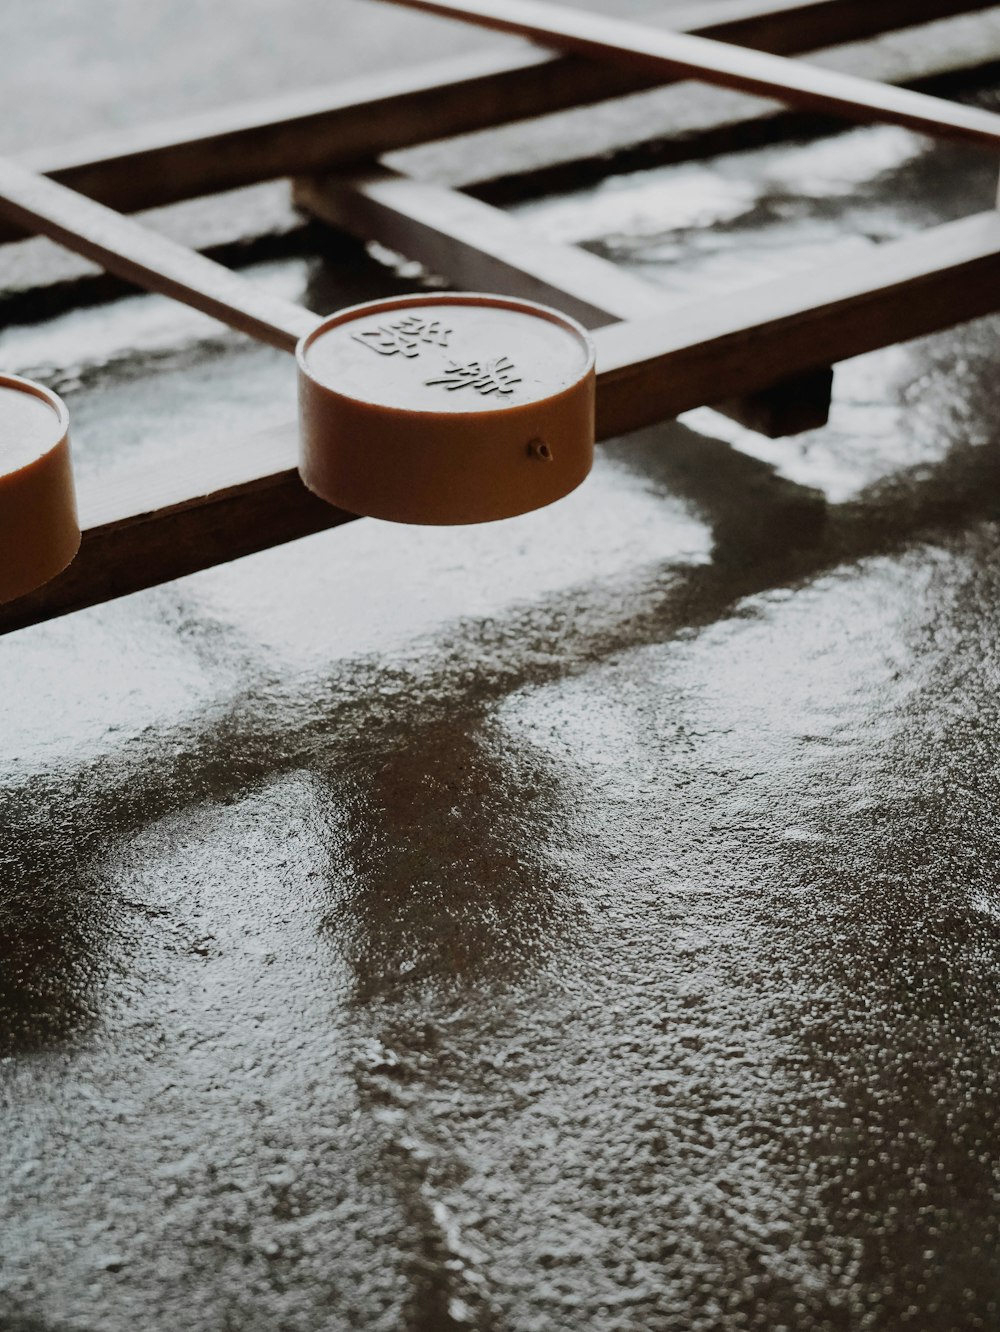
column 306, row 132
column 151, row 261
column 475, row 246
column 795, row 26
column 685, row 55
column 654, row 369
column 478, row 247
column 649, row 370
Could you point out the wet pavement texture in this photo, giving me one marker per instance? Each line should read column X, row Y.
column 585, row 922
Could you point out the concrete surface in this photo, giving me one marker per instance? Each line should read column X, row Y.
column 587, row 922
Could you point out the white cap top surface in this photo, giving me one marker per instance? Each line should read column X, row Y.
column 29, row 427
column 449, row 357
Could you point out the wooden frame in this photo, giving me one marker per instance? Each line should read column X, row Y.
column 248, row 498
column 359, row 121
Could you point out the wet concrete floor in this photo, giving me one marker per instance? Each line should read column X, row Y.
column 586, row 922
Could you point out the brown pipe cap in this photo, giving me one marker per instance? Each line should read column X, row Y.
column 39, row 530
column 446, row 408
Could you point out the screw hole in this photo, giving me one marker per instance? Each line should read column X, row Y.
column 539, row 449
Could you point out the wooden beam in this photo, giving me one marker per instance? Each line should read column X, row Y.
column 148, row 259
column 685, row 121
column 475, row 246
column 683, row 55
column 649, row 370
column 478, row 247
column 307, row 132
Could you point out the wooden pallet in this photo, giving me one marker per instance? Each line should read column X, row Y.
column 770, row 346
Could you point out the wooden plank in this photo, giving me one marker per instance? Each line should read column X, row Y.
column 475, row 246
column 151, row 261
column 454, row 227
column 478, row 247
column 687, row 121
column 807, row 25
column 311, row 131
column 649, row 370
column 654, row 369
column 685, row 55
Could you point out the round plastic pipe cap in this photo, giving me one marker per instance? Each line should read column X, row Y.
column 39, row 529
column 446, row 408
